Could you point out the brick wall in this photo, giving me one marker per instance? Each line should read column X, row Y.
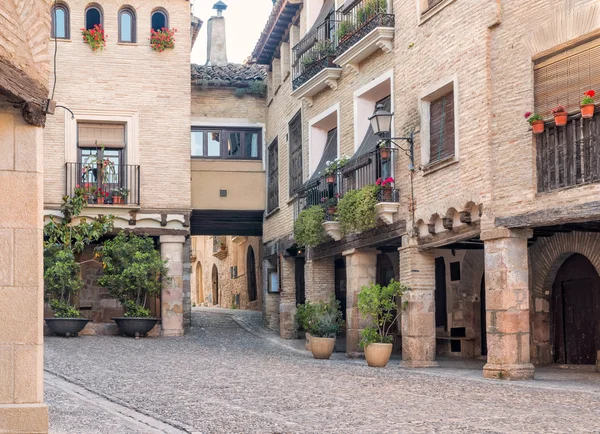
column 222, row 103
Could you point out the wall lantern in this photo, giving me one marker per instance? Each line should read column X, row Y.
column 381, row 122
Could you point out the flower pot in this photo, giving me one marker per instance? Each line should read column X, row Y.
column 117, row 200
column 321, row 348
column 331, row 210
column 384, row 153
column 378, row 355
column 66, row 326
column 537, row 127
column 135, row 327
column 560, row 119
column 330, row 179
column 386, row 194
column 587, row 110
column 100, row 200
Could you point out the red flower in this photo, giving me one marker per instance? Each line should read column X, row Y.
column 527, row 115
column 590, row 93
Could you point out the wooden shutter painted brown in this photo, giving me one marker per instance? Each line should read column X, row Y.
column 441, row 128
column 295, row 163
column 110, row 136
column 562, row 79
column 273, row 184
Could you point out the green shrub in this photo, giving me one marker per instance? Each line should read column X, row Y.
column 345, row 28
column 380, row 303
column 356, row 210
column 369, row 10
column 321, row 319
column 63, row 309
column 133, row 271
column 308, row 227
column 258, row 88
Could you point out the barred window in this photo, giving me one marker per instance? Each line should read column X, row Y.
column 295, row 163
column 273, row 177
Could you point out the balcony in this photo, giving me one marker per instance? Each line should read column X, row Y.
column 362, row 29
column 568, row 156
column 220, row 247
column 118, row 185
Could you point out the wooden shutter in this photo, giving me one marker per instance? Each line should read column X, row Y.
column 441, row 138
column 273, row 183
column 562, row 79
column 109, row 136
column 295, row 163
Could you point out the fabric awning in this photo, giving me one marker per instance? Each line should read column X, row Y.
column 329, row 154
column 109, row 136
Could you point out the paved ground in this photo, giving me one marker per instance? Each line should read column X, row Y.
column 228, row 376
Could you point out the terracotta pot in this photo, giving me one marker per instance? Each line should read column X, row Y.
column 587, row 110
column 321, row 348
column 378, row 355
column 537, row 127
column 117, row 200
column 384, row 153
column 331, row 210
column 560, row 119
column 330, row 179
column 100, row 200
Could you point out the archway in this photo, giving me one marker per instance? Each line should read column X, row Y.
column 576, row 311
column 215, row 285
column 251, row 273
column 199, row 285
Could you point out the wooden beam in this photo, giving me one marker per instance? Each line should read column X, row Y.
column 463, row 233
column 18, row 88
column 586, row 212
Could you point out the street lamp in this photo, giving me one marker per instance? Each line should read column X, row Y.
column 381, row 123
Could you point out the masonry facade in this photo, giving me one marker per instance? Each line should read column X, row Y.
column 492, row 227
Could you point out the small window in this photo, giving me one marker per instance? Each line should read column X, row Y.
column 441, row 128
column 232, row 143
column 159, row 20
column 197, row 143
column 213, row 142
column 127, row 28
column 93, row 17
column 273, row 177
column 60, row 21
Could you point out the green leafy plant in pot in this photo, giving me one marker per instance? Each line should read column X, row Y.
column 322, row 321
column 356, row 209
column 64, row 241
column 134, row 273
column 380, row 303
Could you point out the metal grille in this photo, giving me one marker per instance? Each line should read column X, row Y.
column 118, row 186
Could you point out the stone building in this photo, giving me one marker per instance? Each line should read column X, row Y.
column 24, row 70
column 129, row 104
column 493, row 228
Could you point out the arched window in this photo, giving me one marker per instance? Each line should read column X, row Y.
column 93, row 16
column 60, row 21
column 159, row 19
column 127, row 27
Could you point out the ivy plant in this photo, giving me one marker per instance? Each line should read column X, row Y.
column 356, row 210
column 380, row 303
column 308, row 228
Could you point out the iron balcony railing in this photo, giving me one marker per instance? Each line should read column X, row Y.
column 117, row 185
column 569, row 155
column 355, row 23
column 358, row 173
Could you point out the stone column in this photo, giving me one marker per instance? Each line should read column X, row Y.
column 287, row 299
column 361, row 270
column 417, row 272
column 507, row 304
column 319, row 279
column 171, row 250
column 22, row 408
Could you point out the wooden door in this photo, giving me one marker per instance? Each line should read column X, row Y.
column 299, row 277
column 579, row 325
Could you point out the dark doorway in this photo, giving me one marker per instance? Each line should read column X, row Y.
column 340, row 284
column 483, row 318
column 251, row 272
column 299, row 277
column 215, row 284
column 385, row 269
column 441, row 316
column 576, row 309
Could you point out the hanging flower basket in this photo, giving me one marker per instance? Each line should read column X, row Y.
column 587, row 104
column 95, row 38
column 162, row 39
column 560, row 116
column 536, row 122
column 330, row 178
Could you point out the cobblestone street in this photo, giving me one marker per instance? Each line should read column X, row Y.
column 226, row 375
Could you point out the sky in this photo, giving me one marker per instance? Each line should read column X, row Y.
column 244, row 20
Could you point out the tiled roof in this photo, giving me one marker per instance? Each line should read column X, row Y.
column 231, row 75
column 281, row 16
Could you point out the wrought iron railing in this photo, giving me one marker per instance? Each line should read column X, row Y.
column 314, row 52
column 569, row 155
column 113, row 185
column 219, row 244
column 355, row 23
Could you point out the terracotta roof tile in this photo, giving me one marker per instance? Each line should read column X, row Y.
column 231, row 75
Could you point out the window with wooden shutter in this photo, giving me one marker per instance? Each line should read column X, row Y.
column 295, row 163
column 273, row 180
column 563, row 78
column 441, row 128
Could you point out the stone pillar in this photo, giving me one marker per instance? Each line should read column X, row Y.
column 417, row 272
column 319, row 279
column 287, row 299
column 507, row 304
column 270, row 300
column 171, row 250
column 22, row 408
column 361, row 270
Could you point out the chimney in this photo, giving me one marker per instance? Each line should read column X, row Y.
column 217, row 45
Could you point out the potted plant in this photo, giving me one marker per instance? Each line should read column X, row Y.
column 380, row 304
column 536, row 121
column 134, row 273
column 587, row 104
column 345, row 30
column 322, row 321
column 101, row 196
column 386, row 188
column 119, row 195
column 560, row 115
column 308, row 227
column 63, row 242
column 95, row 38
column 162, row 39
column 330, row 203
column 223, row 246
column 385, row 150
column 356, row 209
column 332, row 167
